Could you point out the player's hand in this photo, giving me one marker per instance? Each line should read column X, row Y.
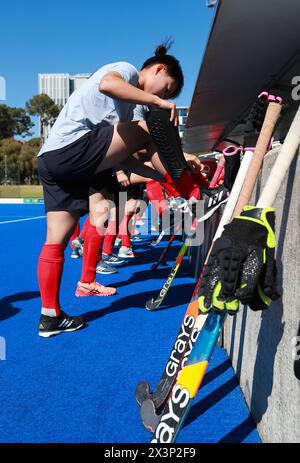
column 193, row 162
column 123, row 179
column 164, row 104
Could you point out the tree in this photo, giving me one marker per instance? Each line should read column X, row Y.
column 28, row 163
column 14, row 121
column 18, row 161
column 44, row 107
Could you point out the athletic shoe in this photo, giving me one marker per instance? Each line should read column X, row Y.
column 213, row 198
column 78, row 245
column 76, row 254
column 93, row 289
column 139, row 222
column 50, row 326
column 112, row 259
column 105, row 269
column 136, row 238
column 118, row 241
column 126, row 253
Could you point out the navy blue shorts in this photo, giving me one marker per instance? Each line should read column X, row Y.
column 68, row 174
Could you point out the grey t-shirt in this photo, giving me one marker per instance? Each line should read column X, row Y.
column 87, row 106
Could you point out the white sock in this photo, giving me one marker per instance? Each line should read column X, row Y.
column 49, row 312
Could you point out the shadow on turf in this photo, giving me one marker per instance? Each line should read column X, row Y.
column 7, row 308
column 215, row 372
column 146, row 275
column 211, row 399
column 239, row 433
column 138, row 301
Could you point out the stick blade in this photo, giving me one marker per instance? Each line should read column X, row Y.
column 142, row 392
column 148, row 415
column 152, row 304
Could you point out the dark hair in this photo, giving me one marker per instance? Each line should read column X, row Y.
column 172, row 64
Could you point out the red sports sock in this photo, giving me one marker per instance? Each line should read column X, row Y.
column 85, row 228
column 50, row 268
column 110, row 236
column 91, row 254
column 75, row 233
column 156, row 196
column 123, row 230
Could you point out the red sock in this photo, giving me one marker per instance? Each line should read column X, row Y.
column 123, row 230
column 50, row 268
column 75, row 233
column 110, row 237
column 156, row 196
column 85, row 228
column 91, row 254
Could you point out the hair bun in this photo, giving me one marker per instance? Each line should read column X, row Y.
column 161, row 50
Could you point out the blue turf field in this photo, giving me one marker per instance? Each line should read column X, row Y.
column 79, row 387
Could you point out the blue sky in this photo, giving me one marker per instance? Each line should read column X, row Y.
column 65, row 36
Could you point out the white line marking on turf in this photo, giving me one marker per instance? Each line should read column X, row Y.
column 23, row 220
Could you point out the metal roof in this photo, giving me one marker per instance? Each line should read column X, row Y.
column 254, row 45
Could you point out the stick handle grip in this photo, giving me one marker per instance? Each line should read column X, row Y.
column 282, row 164
column 271, row 118
column 218, row 171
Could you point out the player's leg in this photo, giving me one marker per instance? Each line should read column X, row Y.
column 108, row 255
column 92, row 251
column 128, row 138
column 60, row 225
column 127, row 223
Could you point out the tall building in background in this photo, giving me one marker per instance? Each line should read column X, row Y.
column 59, row 87
column 182, row 112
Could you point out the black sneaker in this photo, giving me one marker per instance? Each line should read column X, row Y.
column 213, row 198
column 50, row 326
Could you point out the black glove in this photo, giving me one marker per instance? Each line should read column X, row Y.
column 241, row 266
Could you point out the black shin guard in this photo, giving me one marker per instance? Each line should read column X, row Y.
column 166, row 137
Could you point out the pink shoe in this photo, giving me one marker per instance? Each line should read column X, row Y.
column 93, row 289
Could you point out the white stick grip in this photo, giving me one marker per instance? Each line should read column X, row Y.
column 282, row 164
column 234, row 194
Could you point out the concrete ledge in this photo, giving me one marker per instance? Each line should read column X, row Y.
column 260, row 345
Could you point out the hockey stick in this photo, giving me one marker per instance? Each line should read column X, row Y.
column 190, row 378
column 192, row 321
column 164, row 232
column 153, row 304
column 165, row 251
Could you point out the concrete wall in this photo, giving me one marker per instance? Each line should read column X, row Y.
column 260, row 344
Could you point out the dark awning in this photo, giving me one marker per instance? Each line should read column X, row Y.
column 254, row 45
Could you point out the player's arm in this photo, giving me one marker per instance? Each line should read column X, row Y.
column 113, row 85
